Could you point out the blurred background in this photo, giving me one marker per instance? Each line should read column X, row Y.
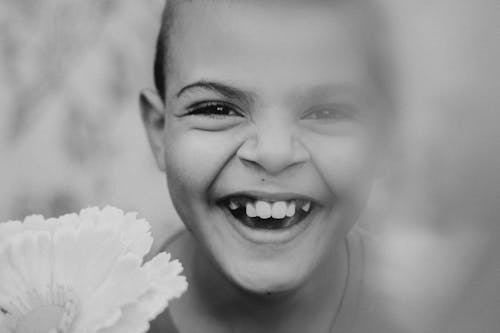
column 71, row 137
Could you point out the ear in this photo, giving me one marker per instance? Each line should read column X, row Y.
column 153, row 118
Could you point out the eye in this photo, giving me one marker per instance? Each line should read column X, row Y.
column 328, row 113
column 213, row 109
column 322, row 114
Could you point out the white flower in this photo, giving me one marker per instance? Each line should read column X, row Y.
column 83, row 274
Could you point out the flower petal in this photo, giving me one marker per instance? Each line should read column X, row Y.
column 8, row 230
column 165, row 284
column 124, row 285
column 91, row 260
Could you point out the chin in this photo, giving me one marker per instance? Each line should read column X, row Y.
column 269, row 278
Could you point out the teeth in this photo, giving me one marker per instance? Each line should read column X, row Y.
column 278, row 210
column 233, row 205
column 264, row 209
column 250, row 210
column 290, row 211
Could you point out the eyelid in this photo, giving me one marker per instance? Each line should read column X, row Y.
column 337, row 109
column 212, row 103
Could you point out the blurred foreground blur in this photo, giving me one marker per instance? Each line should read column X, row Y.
column 71, row 137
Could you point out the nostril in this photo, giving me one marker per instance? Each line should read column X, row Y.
column 273, row 154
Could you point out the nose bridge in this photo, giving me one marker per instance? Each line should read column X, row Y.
column 274, row 139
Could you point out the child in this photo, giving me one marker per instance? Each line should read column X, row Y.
column 269, row 125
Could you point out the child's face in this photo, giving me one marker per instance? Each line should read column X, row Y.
column 269, row 106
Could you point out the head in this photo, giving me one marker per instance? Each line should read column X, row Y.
column 268, row 123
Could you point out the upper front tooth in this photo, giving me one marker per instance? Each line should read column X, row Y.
column 306, row 207
column 233, row 205
column 263, row 209
column 250, row 210
column 290, row 211
column 279, row 210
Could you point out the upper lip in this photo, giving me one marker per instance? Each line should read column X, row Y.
column 267, row 196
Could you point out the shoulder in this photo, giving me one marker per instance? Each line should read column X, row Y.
column 163, row 324
column 175, row 245
column 374, row 297
column 404, row 279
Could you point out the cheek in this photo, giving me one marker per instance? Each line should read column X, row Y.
column 346, row 163
column 194, row 159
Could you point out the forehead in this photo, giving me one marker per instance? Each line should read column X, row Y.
column 267, row 45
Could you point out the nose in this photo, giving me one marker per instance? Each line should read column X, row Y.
column 274, row 148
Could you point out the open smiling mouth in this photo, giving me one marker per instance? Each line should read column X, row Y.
column 263, row 214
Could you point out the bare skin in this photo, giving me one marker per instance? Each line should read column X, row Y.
column 211, row 304
column 263, row 102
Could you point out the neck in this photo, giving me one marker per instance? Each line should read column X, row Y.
column 315, row 302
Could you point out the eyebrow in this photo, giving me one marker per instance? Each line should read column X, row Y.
column 221, row 88
column 336, row 89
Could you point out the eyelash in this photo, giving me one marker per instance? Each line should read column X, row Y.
column 221, row 110
column 213, row 109
column 329, row 113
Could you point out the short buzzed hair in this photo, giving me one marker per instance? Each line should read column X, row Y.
column 379, row 43
column 161, row 53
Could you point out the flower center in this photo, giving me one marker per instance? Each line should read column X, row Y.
column 52, row 312
column 41, row 319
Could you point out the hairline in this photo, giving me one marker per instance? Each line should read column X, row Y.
column 161, row 61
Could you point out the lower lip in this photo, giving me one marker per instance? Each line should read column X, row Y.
column 269, row 236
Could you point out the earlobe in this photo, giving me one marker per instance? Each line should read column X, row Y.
column 153, row 117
